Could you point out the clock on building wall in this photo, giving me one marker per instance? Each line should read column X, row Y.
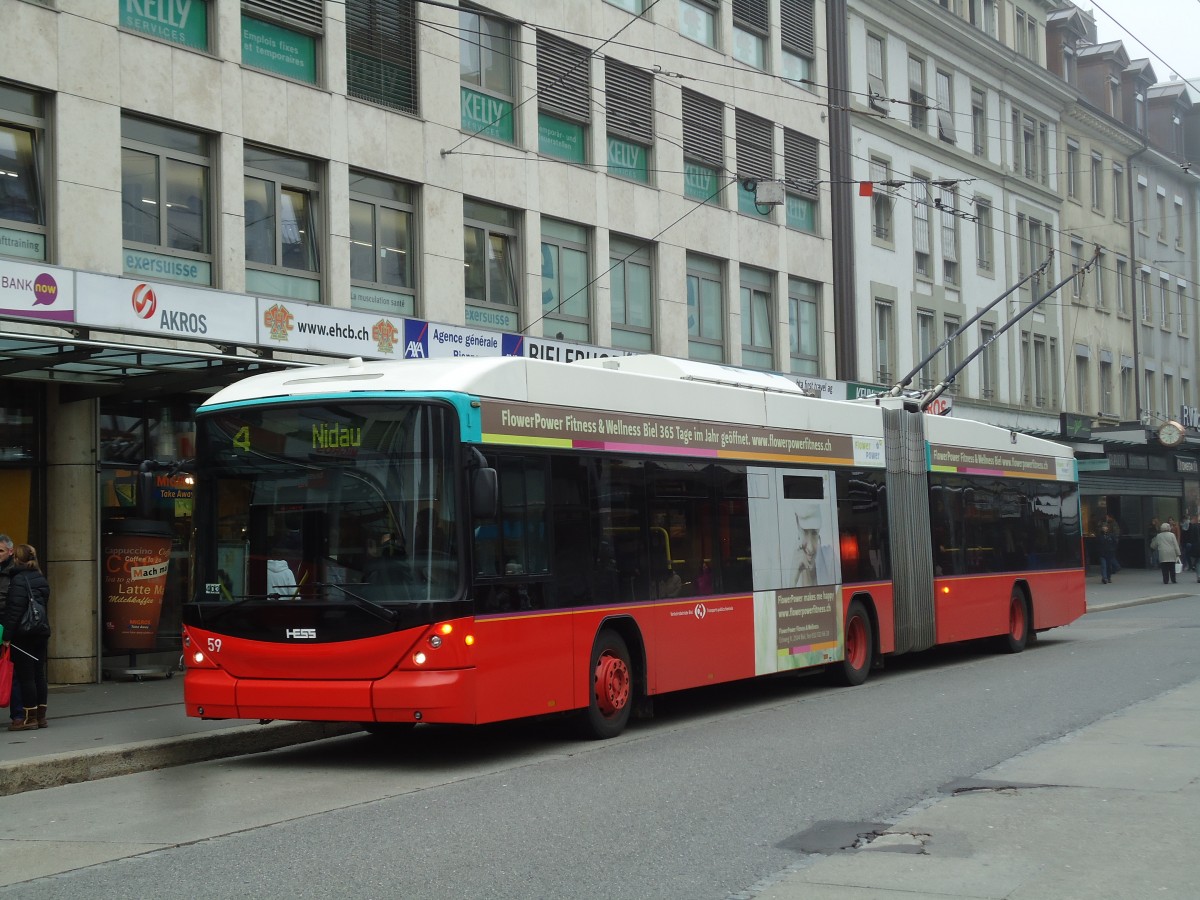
column 1170, row 434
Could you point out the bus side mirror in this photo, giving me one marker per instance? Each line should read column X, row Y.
column 484, row 493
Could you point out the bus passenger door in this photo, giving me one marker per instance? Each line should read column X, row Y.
column 793, row 529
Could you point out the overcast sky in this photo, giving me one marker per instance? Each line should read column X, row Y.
column 1164, row 31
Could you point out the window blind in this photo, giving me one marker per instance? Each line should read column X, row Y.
column 563, row 86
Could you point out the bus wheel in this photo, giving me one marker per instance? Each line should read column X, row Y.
column 612, row 687
column 1018, row 624
column 860, row 647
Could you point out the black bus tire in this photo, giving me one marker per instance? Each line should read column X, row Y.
column 859, row 647
column 1019, row 624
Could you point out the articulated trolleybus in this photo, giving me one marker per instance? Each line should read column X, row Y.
column 474, row 540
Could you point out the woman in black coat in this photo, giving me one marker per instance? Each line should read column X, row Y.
column 28, row 651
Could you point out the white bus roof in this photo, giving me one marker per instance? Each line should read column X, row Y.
column 652, row 385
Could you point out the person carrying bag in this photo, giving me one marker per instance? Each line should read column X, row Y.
column 27, row 627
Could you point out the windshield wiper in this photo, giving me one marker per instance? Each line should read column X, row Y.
column 388, row 615
column 244, row 598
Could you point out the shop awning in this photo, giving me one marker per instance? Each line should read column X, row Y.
column 87, row 368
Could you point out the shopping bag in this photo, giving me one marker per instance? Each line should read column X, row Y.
column 6, row 674
column 1178, row 566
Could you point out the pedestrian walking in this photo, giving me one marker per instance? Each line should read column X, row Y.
column 1166, row 548
column 1108, row 555
column 29, row 647
column 15, row 709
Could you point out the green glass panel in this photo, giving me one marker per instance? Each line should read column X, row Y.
column 561, row 139
column 489, row 116
column 628, row 160
column 181, row 22
column 279, row 50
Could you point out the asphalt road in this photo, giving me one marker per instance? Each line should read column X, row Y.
column 721, row 790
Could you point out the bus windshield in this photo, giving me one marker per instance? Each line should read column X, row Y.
column 345, row 502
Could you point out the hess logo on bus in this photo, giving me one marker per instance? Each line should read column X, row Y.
column 306, row 634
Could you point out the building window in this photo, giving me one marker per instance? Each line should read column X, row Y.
column 703, row 146
column 1097, row 181
column 945, row 114
column 928, row 376
column 751, row 26
column 486, row 56
column 1082, row 389
column 881, row 199
column 1072, row 168
column 949, row 202
column 1122, row 276
column 1183, row 309
column 633, row 6
column 917, row 105
column 1126, row 388
column 800, row 165
column 877, row 73
column 166, row 202
column 952, row 351
column 1146, row 295
column 22, row 197
column 1106, row 386
column 885, row 341
column 381, row 53
column 282, row 216
column 804, row 326
column 1101, row 276
column 982, row 14
column 1148, row 394
column 979, row 122
column 1179, row 223
column 1076, row 264
column 564, row 98
column 1161, row 215
column 706, row 309
column 755, row 160
column 280, row 36
column 491, row 265
column 1164, row 301
column 985, row 253
column 698, row 21
column 758, row 316
column 1118, row 185
column 383, row 257
column 922, row 239
column 629, row 96
column 797, row 32
column 631, row 293
column 566, row 310
column 1143, row 207
column 1041, row 373
column 987, row 360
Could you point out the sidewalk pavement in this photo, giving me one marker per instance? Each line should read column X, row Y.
column 1053, row 822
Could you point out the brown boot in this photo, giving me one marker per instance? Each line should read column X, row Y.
column 41, row 716
column 29, row 723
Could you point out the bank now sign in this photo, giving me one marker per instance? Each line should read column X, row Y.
column 164, row 309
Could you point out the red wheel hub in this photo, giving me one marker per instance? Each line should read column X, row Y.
column 1016, row 619
column 856, row 643
column 612, row 683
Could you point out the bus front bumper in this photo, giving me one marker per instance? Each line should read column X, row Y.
column 445, row 696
